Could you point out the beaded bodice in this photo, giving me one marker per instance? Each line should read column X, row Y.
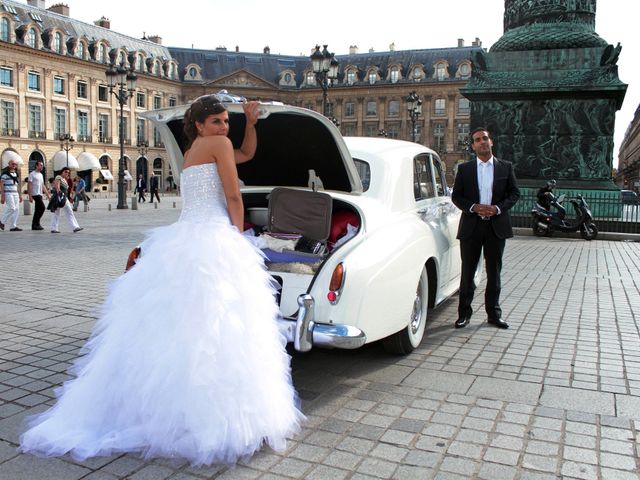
column 202, row 194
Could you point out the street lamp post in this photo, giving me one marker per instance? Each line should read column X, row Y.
column 414, row 107
column 66, row 144
column 325, row 66
column 143, row 148
column 122, row 84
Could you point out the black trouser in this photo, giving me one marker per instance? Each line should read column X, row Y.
column 154, row 191
column 483, row 240
column 37, row 215
column 141, row 196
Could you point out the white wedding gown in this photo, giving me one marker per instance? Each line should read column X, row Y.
column 186, row 359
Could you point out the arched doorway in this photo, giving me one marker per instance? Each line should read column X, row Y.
column 142, row 168
column 33, row 158
column 157, row 171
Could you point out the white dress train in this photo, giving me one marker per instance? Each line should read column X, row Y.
column 186, row 359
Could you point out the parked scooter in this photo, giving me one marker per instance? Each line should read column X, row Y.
column 546, row 221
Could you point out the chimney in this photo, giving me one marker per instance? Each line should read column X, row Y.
column 266, row 50
column 36, row 3
column 155, row 39
column 221, row 48
column 237, row 48
column 460, row 42
column 104, row 22
column 59, row 8
column 353, row 49
column 476, row 43
column 371, row 50
column 392, row 47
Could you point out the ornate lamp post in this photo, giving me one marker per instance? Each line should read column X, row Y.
column 122, row 84
column 325, row 66
column 66, row 144
column 143, row 148
column 414, row 107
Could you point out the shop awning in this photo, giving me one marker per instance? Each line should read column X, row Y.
column 60, row 161
column 88, row 161
column 127, row 175
column 11, row 155
column 106, row 174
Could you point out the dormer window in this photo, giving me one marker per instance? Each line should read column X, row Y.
column 310, row 79
column 394, row 76
column 140, row 63
column 464, row 70
column 102, row 53
column 372, row 77
column 351, row 77
column 441, row 71
column 80, row 50
column 417, row 74
column 193, row 72
column 57, row 42
column 32, row 37
column 4, row 29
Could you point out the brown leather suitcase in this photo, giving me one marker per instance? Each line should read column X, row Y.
column 300, row 211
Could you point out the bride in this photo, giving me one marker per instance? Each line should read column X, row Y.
column 186, row 359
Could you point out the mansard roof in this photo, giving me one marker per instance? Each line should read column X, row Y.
column 74, row 28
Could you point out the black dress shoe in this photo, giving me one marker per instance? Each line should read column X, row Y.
column 37, row 228
column 15, row 229
column 462, row 322
column 498, row 323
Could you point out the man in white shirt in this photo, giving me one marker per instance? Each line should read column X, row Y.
column 36, row 187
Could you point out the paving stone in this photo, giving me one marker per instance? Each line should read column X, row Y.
column 579, row 470
column 580, row 400
column 152, row 472
column 377, row 467
column 28, row 467
column 440, row 381
column 506, row 390
column 460, row 466
column 340, row 459
column 620, row 462
column 493, row 471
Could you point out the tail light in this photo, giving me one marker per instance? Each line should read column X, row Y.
column 336, row 284
column 132, row 258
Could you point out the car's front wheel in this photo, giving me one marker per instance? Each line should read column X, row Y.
column 407, row 339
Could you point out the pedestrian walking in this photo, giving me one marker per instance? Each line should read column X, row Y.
column 141, row 187
column 81, row 194
column 484, row 189
column 11, row 197
column 153, row 187
column 61, row 202
column 36, row 188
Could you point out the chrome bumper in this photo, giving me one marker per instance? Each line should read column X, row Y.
column 304, row 332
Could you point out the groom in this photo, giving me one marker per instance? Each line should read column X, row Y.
column 484, row 189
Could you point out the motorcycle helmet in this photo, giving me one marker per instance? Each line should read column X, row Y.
column 551, row 183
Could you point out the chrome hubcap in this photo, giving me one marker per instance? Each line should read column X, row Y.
column 416, row 315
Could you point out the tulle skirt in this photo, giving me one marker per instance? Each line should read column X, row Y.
column 186, row 359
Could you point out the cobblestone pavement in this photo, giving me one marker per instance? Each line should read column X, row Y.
column 555, row 396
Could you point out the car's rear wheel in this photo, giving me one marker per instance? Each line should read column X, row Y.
column 408, row 339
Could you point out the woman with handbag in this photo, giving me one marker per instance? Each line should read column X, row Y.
column 60, row 201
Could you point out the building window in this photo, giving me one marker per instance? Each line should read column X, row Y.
column 6, row 77
column 440, row 107
column 122, row 59
column 311, row 79
column 35, row 119
column 140, row 100
column 351, row 77
column 81, row 89
column 193, row 72
column 372, row 108
column 59, row 122
column 33, row 81
column 417, row 74
column 32, row 37
column 83, row 126
column 465, row 70
column 103, row 93
column 4, row 29
column 349, row 130
column 141, row 134
column 157, row 102
column 441, row 71
column 57, row 42
column 349, row 109
column 464, row 106
column 102, row 53
column 371, row 129
column 438, row 137
column 394, row 108
column 393, row 130
column 372, row 77
column 157, row 139
column 103, row 127
column 58, row 85
column 172, row 101
column 395, row 75
column 7, row 116
column 463, row 135
column 287, row 77
column 140, row 63
column 156, row 68
column 80, row 50
column 122, row 132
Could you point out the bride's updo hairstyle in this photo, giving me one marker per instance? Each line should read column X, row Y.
column 199, row 110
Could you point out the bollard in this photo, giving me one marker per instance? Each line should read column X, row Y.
column 109, row 207
column 27, row 205
column 155, row 205
column 134, row 203
column 174, row 204
column 86, row 207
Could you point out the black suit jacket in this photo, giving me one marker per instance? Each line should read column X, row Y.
column 466, row 192
column 141, row 185
column 154, row 183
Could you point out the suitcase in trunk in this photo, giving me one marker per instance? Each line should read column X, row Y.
column 300, row 211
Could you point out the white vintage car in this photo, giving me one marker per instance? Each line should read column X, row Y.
column 401, row 257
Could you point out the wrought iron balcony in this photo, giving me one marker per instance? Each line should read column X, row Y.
column 85, row 138
column 103, row 139
column 10, row 132
column 36, row 134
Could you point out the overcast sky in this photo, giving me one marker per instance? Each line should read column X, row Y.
column 294, row 27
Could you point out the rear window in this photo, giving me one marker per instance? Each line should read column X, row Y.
column 364, row 171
